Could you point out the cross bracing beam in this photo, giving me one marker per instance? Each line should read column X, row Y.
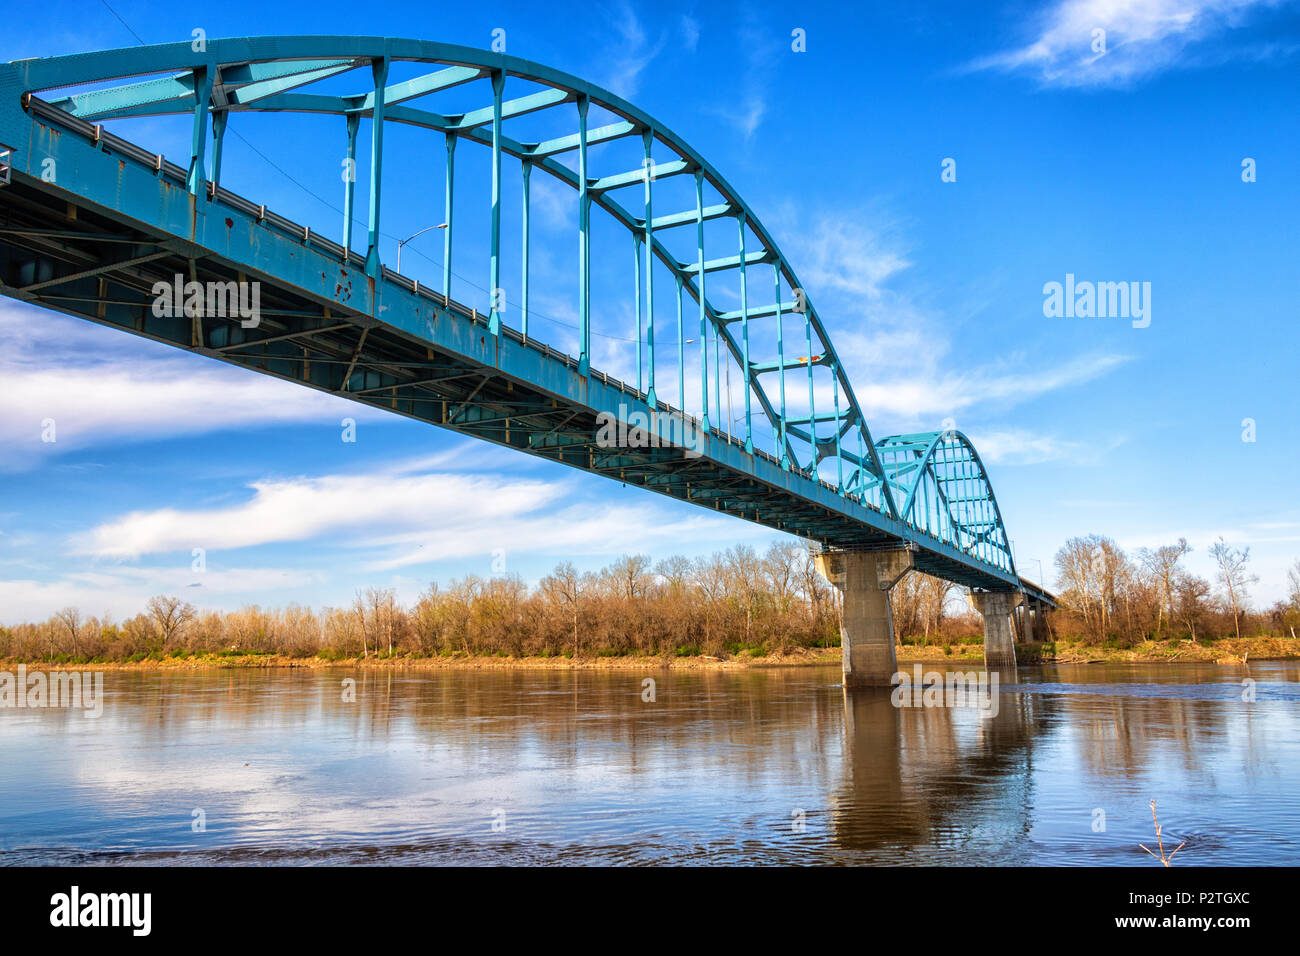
column 631, row 177
column 726, row 262
column 563, row 144
column 517, row 107
column 760, row 367
column 759, row 312
column 691, row 216
column 808, row 420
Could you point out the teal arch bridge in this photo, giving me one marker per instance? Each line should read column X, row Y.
column 739, row 398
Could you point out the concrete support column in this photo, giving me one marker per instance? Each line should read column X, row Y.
column 1020, row 622
column 1029, row 620
column 866, row 624
column 999, row 637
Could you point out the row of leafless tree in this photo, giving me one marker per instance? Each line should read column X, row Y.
column 1110, row 595
column 730, row 602
column 726, row 603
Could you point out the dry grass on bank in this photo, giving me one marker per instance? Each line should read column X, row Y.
column 1225, row 652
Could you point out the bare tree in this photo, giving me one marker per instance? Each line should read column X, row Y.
column 932, row 594
column 781, row 567
column 429, row 619
column 676, row 572
column 70, row 618
column 710, row 579
column 1190, row 593
column 904, row 606
column 376, row 613
column 630, row 576
column 170, row 614
column 1080, row 567
column 564, row 588
column 745, row 579
column 359, row 611
column 1234, row 577
column 1162, row 564
column 813, row 585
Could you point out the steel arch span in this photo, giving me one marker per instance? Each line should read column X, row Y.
column 95, row 225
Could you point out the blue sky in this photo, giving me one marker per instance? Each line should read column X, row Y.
column 1124, row 166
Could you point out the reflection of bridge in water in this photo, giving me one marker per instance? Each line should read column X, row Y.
column 718, row 768
column 915, row 777
column 94, row 225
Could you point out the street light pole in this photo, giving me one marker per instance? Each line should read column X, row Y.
column 402, row 242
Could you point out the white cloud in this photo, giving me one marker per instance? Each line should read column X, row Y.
column 841, row 253
column 1020, row 446
column 308, row 508
column 123, row 590
column 353, row 528
column 895, row 352
column 1142, row 37
column 553, row 205
column 101, row 387
column 404, row 515
column 938, row 393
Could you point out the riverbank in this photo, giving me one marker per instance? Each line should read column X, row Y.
column 1224, row 652
column 460, row 661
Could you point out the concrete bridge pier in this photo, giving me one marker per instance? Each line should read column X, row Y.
column 999, row 633
column 864, row 578
column 1030, row 615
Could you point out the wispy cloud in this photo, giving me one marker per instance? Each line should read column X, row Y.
column 690, row 32
column 747, row 106
column 631, row 52
column 1020, row 446
column 1139, row 38
column 99, row 387
column 750, row 115
column 406, row 514
column 927, row 394
column 894, row 346
column 124, row 589
column 841, row 253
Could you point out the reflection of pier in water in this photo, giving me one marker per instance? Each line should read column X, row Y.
column 923, row 775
